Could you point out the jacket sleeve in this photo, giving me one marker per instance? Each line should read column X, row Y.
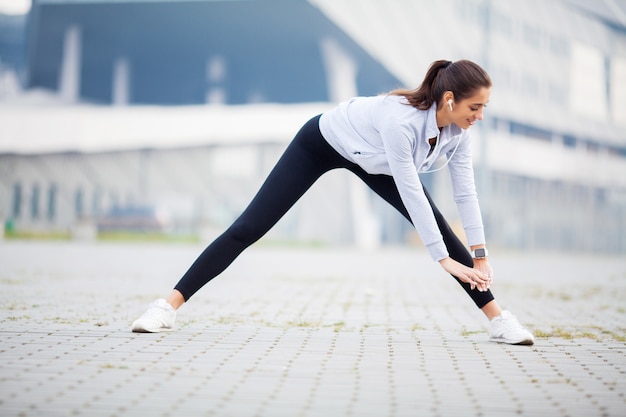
column 464, row 189
column 399, row 142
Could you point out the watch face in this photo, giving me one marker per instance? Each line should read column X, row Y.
column 479, row 253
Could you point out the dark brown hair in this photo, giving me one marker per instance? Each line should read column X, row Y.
column 462, row 77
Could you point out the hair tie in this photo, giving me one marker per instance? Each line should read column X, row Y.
column 447, row 64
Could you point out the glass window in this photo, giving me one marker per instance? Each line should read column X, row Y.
column 569, row 141
column 17, row 200
column 52, row 202
column 34, row 202
column 96, row 206
column 79, row 203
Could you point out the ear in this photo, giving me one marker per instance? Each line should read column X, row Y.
column 448, row 95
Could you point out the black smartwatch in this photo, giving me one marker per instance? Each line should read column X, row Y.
column 480, row 253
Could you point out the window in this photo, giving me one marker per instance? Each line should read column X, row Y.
column 617, row 151
column 96, row 206
column 530, row 131
column 52, row 202
column 569, row 141
column 592, row 147
column 17, row 201
column 79, row 207
column 34, row 202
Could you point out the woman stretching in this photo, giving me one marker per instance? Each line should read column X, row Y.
column 387, row 141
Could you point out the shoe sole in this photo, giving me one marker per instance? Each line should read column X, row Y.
column 142, row 330
column 525, row 342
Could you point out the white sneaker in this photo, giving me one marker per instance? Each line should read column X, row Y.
column 159, row 317
column 506, row 329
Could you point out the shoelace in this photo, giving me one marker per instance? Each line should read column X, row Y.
column 510, row 323
column 154, row 310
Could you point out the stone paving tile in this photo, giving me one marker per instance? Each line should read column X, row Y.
column 305, row 332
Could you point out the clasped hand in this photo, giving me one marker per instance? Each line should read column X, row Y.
column 479, row 277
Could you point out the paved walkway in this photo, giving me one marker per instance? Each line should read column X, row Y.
column 305, row 332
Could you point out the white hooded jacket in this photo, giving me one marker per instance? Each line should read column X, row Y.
column 386, row 135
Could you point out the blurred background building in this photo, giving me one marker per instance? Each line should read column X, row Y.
column 165, row 116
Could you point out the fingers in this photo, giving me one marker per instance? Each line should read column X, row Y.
column 485, row 269
column 478, row 280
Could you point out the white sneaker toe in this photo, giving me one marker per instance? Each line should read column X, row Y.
column 507, row 329
column 159, row 317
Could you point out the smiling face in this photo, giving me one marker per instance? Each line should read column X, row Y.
column 468, row 111
column 465, row 112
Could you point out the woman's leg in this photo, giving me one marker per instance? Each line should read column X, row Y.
column 503, row 328
column 304, row 161
column 384, row 186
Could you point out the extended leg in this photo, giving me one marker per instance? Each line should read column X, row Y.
column 305, row 160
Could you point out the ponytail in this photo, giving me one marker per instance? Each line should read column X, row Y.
column 462, row 77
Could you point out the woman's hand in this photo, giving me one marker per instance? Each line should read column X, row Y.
column 478, row 277
column 483, row 266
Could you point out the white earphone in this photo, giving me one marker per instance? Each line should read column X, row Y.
column 458, row 142
column 450, row 104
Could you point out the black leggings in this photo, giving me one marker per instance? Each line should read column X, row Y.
column 304, row 161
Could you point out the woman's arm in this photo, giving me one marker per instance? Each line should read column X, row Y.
column 465, row 195
column 466, row 198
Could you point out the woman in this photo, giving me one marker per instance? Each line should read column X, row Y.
column 386, row 141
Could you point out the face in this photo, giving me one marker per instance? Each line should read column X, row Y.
column 468, row 111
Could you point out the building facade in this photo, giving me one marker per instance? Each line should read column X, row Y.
column 550, row 154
